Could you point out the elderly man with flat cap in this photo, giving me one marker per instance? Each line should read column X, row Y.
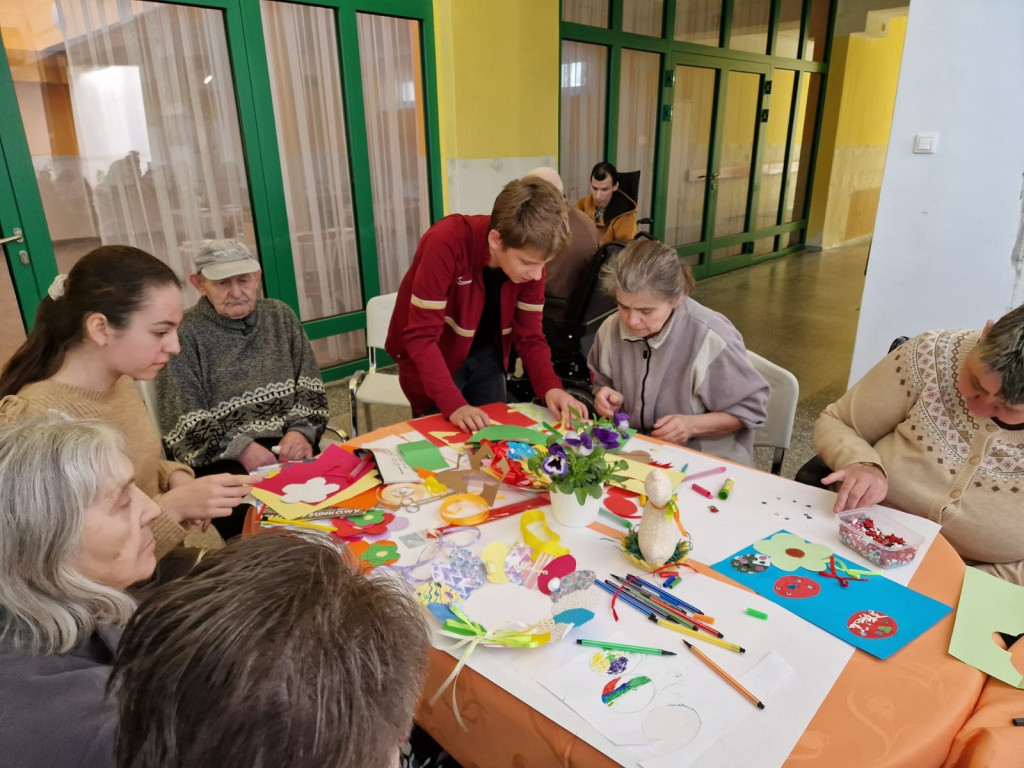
column 246, row 379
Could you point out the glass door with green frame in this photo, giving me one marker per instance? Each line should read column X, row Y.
column 711, row 171
column 17, row 269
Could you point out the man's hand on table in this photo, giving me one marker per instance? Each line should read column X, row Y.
column 255, row 455
column 469, row 418
column 560, row 402
column 293, row 447
column 861, row 485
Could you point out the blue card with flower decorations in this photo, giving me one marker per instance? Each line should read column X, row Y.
column 866, row 610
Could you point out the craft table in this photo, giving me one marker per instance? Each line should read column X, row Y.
column 904, row 711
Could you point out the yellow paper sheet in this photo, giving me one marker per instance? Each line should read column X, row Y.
column 637, row 472
column 296, row 509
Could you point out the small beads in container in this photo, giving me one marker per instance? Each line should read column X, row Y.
column 881, row 540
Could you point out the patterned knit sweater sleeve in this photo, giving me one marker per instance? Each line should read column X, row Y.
column 848, row 429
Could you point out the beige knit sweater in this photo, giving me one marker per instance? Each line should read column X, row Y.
column 123, row 409
column 942, row 462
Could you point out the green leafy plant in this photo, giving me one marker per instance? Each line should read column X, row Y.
column 582, row 460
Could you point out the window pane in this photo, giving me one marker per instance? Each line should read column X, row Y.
column 132, row 124
column 803, row 140
column 389, row 51
column 342, row 348
column 815, row 48
column 750, row 26
column 591, row 12
column 691, row 138
column 728, row 251
column 741, row 116
column 764, row 245
column 644, row 17
column 788, row 40
column 699, row 21
column 584, row 86
column 305, row 82
column 774, row 153
column 640, row 84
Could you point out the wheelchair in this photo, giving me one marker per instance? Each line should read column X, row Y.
column 570, row 325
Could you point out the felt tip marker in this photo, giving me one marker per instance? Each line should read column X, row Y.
column 702, row 491
column 625, row 648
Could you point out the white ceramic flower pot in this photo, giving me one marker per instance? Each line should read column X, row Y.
column 569, row 512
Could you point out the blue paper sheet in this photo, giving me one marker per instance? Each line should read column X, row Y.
column 878, row 616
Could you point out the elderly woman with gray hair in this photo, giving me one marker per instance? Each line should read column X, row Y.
column 74, row 535
column 679, row 369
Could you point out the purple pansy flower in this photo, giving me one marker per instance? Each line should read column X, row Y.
column 608, row 438
column 621, row 421
column 556, row 466
column 556, row 449
column 582, row 442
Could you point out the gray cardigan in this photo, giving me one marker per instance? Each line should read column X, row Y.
column 52, row 708
column 695, row 364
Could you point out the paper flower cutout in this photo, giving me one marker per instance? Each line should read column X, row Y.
column 380, row 553
column 313, row 491
column 789, row 552
column 369, row 517
column 348, row 528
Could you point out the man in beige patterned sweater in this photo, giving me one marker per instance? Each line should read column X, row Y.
column 937, row 429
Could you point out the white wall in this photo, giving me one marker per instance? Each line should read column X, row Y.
column 941, row 254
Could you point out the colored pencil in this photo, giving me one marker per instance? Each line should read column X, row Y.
column 705, row 473
column 726, row 676
column 668, row 596
column 699, row 636
column 626, row 648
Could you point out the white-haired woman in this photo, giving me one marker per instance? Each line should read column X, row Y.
column 679, row 369
column 74, row 535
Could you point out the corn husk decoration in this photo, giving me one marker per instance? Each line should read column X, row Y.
column 661, row 538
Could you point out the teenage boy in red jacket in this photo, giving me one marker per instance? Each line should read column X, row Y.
column 475, row 287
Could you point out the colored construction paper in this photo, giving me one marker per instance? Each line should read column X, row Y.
column 989, row 605
column 334, row 465
column 498, row 413
column 876, row 615
column 422, row 454
column 299, row 509
column 497, row 433
column 636, row 472
column 390, row 463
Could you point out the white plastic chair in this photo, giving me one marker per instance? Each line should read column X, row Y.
column 778, row 426
column 371, row 387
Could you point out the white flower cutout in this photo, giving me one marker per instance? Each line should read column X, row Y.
column 313, row 491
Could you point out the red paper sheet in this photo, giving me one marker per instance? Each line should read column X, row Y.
column 334, row 465
column 498, row 412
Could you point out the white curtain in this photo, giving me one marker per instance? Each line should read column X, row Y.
column 389, row 53
column 643, row 17
column 156, row 124
column 583, row 94
column 639, row 86
column 592, row 12
column 305, row 82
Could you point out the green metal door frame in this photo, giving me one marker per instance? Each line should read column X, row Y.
column 21, row 204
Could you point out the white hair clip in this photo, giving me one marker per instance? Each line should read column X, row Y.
column 56, row 289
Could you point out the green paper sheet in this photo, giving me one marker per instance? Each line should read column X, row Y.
column 508, row 432
column 988, row 604
column 423, row 454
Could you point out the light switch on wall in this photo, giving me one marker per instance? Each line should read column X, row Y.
column 925, row 143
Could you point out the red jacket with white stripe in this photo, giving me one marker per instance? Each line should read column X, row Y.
column 438, row 310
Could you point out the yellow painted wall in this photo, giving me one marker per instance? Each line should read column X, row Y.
column 497, row 66
column 859, row 101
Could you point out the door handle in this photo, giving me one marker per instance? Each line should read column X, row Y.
column 17, row 237
column 711, row 176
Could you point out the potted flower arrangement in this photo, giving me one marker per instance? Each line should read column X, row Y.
column 577, row 464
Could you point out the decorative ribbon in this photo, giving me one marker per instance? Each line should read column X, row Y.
column 470, row 634
column 844, row 581
column 430, row 553
column 450, row 509
column 532, row 525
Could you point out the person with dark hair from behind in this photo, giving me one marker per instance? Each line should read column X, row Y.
column 611, row 209
column 275, row 651
column 936, row 429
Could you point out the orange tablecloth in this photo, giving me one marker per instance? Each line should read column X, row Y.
column 901, row 712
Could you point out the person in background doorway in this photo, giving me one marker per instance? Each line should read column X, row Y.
column 611, row 209
column 679, row 369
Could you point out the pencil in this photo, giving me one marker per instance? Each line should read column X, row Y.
column 725, row 676
column 699, row 636
column 300, row 524
column 705, row 473
column 626, row 648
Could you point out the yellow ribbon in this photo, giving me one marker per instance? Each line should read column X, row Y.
column 533, row 524
column 470, row 634
column 451, row 509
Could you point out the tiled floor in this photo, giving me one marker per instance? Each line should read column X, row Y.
column 800, row 312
